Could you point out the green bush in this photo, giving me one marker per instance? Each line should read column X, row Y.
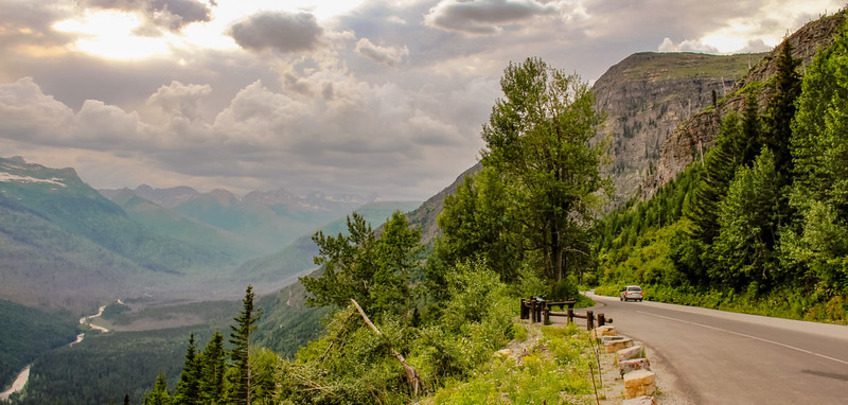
column 562, row 290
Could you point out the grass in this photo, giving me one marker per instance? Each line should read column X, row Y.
column 555, row 370
column 686, row 64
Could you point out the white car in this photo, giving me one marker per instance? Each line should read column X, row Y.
column 631, row 293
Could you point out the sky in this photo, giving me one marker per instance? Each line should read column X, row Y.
column 371, row 97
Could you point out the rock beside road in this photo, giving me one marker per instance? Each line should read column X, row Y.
column 629, row 353
column 633, row 365
column 639, row 383
column 615, row 343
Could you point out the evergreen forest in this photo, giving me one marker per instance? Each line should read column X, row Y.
column 759, row 224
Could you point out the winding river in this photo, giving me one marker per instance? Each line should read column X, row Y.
column 23, row 376
column 18, row 384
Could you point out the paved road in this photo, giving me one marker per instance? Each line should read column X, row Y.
column 727, row 358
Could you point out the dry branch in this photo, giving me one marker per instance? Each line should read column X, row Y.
column 411, row 375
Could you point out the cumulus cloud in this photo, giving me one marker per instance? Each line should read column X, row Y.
column 484, row 16
column 387, row 55
column 688, row 45
column 170, row 14
column 266, row 136
column 279, row 31
column 697, row 45
column 27, row 114
column 178, row 98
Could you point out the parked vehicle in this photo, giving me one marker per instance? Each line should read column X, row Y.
column 631, row 292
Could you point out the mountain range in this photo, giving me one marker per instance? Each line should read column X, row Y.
column 65, row 245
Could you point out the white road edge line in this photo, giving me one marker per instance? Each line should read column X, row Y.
column 798, row 349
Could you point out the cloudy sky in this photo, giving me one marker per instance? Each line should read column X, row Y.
column 370, row 96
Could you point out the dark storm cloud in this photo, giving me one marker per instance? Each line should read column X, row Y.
column 170, row 14
column 282, row 32
column 484, row 16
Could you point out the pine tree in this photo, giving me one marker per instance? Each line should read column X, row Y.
column 348, row 264
column 159, row 395
column 719, row 168
column 188, row 388
column 747, row 217
column 240, row 378
column 819, row 144
column 751, row 141
column 781, row 110
column 213, row 367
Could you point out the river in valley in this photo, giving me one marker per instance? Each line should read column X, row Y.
column 23, row 375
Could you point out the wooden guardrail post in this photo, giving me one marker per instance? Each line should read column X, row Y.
column 533, row 318
column 602, row 320
column 547, row 315
column 570, row 314
column 590, row 320
column 525, row 311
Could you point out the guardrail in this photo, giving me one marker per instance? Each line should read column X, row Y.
column 537, row 309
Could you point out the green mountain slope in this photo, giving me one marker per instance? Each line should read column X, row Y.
column 168, row 223
column 268, row 220
column 64, row 245
column 61, row 197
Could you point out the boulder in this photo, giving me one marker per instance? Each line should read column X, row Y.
column 640, row 401
column 632, row 352
column 614, row 345
column 503, row 353
column 605, row 330
column 639, row 383
column 627, row 366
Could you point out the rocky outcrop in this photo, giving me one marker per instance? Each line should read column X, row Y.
column 647, row 95
column 688, row 141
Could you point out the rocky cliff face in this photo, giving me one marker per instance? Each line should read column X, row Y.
column 689, row 140
column 647, row 95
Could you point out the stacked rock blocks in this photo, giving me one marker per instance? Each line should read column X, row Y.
column 639, row 381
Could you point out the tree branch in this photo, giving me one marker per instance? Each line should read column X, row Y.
column 411, row 376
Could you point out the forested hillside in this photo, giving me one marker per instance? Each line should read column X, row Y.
column 760, row 224
column 26, row 333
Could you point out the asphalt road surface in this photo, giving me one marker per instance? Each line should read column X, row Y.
column 720, row 357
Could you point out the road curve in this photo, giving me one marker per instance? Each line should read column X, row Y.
column 721, row 357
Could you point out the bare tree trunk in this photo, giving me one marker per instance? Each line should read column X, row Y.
column 556, row 247
column 411, row 375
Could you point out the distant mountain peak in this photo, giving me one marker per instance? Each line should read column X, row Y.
column 167, row 197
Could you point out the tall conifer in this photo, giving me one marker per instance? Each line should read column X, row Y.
column 239, row 389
